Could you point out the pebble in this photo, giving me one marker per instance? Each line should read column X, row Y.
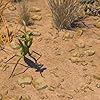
column 80, row 44
column 36, row 17
column 12, row 8
column 39, row 83
column 35, row 9
column 89, row 52
column 98, row 85
column 68, row 35
column 75, row 54
column 36, row 34
column 76, row 59
column 79, row 32
column 78, row 54
column 25, row 81
column 97, row 25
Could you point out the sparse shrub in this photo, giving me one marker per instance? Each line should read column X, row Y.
column 65, row 12
column 24, row 14
column 91, row 7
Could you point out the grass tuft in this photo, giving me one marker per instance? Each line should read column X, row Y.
column 65, row 12
column 24, row 14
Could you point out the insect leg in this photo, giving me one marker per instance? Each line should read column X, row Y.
column 37, row 54
column 22, row 71
column 15, row 66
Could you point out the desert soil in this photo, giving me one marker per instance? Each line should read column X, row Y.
column 72, row 59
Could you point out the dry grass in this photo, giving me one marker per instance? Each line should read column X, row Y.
column 65, row 12
column 3, row 6
column 16, row 0
column 4, row 35
column 92, row 7
column 24, row 14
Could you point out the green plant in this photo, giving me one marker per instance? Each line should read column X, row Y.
column 65, row 12
column 24, row 43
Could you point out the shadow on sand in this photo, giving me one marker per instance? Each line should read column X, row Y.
column 31, row 64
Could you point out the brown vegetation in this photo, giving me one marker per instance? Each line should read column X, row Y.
column 65, row 12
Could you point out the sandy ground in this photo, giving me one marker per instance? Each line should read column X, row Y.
column 66, row 79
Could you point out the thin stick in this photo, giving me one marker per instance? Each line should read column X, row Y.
column 19, row 64
column 15, row 67
column 21, row 72
column 10, row 58
column 36, row 52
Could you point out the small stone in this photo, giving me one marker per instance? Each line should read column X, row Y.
column 35, row 9
column 97, row 25
column 78, row 54
column 80, row 43
column 98, row 85
column 89, row 52
column 25, row 81
column 36, row 34
column 12, row 8
column 79, row 32
column 37, row 17
column 76, row 59
column 68, row 35
column 81, row 54
column 39, row 84
column 75, row 54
